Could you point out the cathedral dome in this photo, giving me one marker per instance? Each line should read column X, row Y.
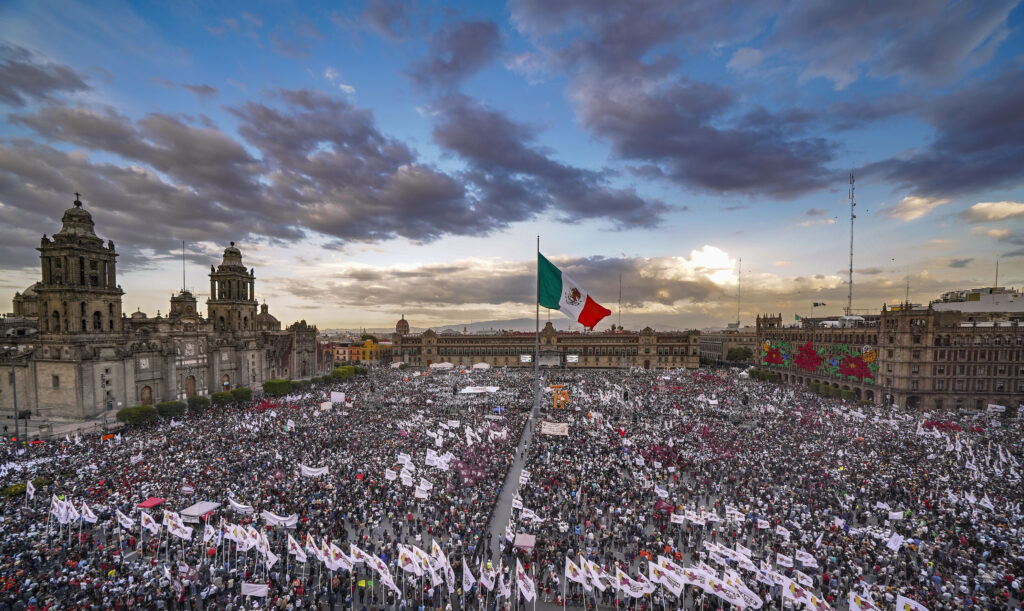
column 77, row 221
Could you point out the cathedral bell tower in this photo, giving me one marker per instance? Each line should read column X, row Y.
column 232, row 302
column 78, row 293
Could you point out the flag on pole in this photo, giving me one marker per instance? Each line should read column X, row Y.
column 467, row 578
column 88, row 515
column 149, row 523
column 30, row 490
column 557, row 291
column 125, row 521
column 819, row 304
column 523, row 582
column 906, row 604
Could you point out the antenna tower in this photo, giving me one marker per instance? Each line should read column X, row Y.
column 620, row 300
column 739, row 282
column 849, row 294
column 183, row 266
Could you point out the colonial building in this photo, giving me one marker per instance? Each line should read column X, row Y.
column 76, row 356
column 715, row 345
column 921, row 357
column 616, row 349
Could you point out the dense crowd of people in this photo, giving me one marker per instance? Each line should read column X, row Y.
column 409, row 494
column 693, row 466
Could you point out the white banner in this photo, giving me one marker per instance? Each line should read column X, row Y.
column 239, row 507
column 337, row 397
column 255, row 589
column 311, row 472
column 276, row 520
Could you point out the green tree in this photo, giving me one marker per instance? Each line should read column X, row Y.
column 241, row 394
column 277, row 387
column 222, row 398
column 140, row 414
column 739, row 355
column 198, row 404
column 170, row 409
column 366, row 336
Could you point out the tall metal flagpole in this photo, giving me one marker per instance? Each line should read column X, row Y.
column 536, row 352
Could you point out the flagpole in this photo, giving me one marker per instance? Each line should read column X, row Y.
column 536, row 352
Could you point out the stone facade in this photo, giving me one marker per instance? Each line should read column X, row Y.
column 913, row 356
column 76, row 356
column 715, row 345
column 619, row 349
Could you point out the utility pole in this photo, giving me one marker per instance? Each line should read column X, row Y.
column 849, row 294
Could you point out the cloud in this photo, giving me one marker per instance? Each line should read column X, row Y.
column 456, row 52
column 388, row 18
column 745, row 59
column 24, row 76
column 816, row 212
column 987, row 212
column 512, row 173
column 813, row 222
column 333, row 76
column 228, row 24
column 307, row 162
column 912, row 207
column 929, row 42
column 971, row 151
column 999, row 234
column 960, row 263
column 683, row 129
column 200, row 90
column 527, row 65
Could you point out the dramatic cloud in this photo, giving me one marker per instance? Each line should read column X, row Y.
column 457, row 51
column 389, row 18
column 985, row 212
column 912, row 208
column 683, row 130
column 24, row 77
column 513, row 174
column 971, row 151
column 929, row 41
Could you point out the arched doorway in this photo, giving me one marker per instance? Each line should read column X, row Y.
column 146, row 395
column 913, row 402
column 190, row 386
column 304, row 374
column 869, row 395
column 225, row 381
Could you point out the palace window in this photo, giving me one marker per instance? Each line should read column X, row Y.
column 55, row 380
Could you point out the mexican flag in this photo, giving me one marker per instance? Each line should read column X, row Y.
column 557, row 291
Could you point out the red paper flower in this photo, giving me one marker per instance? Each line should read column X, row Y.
column 854, row 366
column 774, row 357
column 808, row 358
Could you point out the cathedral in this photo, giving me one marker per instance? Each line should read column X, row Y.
column 72, row 354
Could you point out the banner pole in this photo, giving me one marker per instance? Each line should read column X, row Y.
column 536, row 352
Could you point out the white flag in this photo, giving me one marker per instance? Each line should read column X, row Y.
column 296, row 550
column 149, row 523
column 467, row 578
column 88, row 515
column 255, row 589
column 125, row 521
column 30, row 490
column 905, row 604
column 526, row 586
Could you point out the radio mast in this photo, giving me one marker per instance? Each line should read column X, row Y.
column 849, row 294
column 739, row 281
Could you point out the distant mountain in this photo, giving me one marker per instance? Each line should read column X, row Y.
column 514, row 324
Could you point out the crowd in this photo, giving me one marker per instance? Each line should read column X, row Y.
column 742, row 493
column 250, row 458
column 792, row 497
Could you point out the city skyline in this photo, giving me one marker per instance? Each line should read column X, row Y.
column 381, row 158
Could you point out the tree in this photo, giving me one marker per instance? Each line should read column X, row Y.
column 198, row 404
column 241, row 394
column 222, row 398
column 277, row 387
column 170, row 409
column 366, row 336
column 140, row 414
column 739, row 355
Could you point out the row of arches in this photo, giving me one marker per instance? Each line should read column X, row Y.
column 865, row 394
column 60, row 320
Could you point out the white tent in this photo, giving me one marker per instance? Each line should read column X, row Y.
column 396, row 365
column 744, row 375
column 441, row 365
column 481, row 366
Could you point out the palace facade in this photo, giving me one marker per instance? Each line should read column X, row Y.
column 612, row 349
column 921, row 357
column 72, row 354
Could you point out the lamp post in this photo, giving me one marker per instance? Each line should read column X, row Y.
column 11, row 353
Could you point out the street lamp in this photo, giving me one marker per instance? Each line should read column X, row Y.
column 14, row 387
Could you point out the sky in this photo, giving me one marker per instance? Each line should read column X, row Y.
column 378, row 159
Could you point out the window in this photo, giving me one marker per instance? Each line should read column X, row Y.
column 913, row 385
column 55, row 380
column 940, row 369
column 979, row 370
column 915, row 369
column 959, row 384
column 940, row 384
column 979, row 385
column 1000, row 385
column 889, row 353
column 888, row 367
column 916, row 354
column 938, row 404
